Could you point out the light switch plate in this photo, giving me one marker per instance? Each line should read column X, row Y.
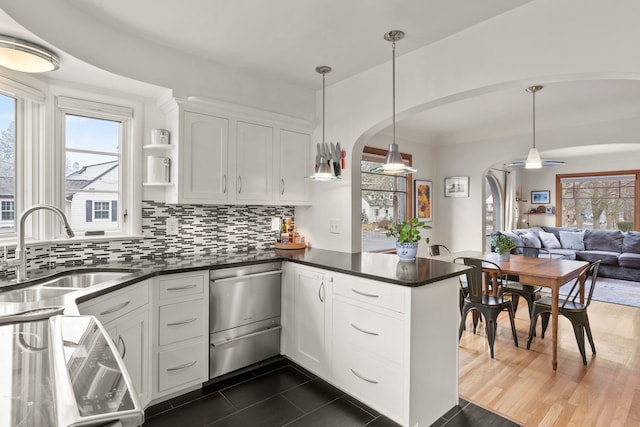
column 334, row 226
column 172, row 226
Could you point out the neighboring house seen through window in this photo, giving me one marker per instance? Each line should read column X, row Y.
column 7, row 163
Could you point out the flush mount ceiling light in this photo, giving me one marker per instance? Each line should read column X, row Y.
column 533, row 159
column 393, row 164
column 21, row 55
column 323, row 159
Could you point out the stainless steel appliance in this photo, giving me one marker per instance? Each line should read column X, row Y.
column 244, row 316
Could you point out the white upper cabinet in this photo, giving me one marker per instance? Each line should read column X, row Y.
column 202, row 168
column 254, row 162
column 294, row 166
column 235, row 155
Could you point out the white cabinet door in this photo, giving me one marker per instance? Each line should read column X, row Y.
column 309, row 301
column 130, row 333
column 254, row 162
column 203, row 173
column 294, row 166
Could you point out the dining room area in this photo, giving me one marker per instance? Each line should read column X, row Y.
column 546, row 382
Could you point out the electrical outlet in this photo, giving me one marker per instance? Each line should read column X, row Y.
column 172, row 226
column 276, row 223
column 334, row 226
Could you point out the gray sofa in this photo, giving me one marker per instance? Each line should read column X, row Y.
column 619, row 252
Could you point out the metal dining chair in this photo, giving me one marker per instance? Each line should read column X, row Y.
column 489, row 306
column 516, row 289
column 571, row 308
column 435, row 250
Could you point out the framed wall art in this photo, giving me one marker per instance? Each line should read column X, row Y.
column 456, row 186
column 541, row 197
column 423, row 200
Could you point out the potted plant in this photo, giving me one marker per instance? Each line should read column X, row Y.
column 407, row 235
column 503, row 245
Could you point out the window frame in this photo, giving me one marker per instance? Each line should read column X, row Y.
column 126, row 176
column 380, row 153
column 636, row 210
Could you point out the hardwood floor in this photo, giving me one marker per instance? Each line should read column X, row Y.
column 521, row 385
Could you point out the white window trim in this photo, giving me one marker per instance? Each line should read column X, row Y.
column 129, row 206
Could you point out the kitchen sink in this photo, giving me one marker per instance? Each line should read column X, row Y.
column 32, row 294
column 84, row 279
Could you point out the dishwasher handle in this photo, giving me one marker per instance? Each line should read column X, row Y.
column 247, row 276
column 241, row 337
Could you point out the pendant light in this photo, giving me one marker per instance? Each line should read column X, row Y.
column 21, row 55
column 533, row 159
column 393, row 164
column 323, row 158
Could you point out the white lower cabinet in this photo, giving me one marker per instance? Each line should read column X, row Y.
column 126, row 317
column 180, row 349
column 305, row 316
column 392, row 347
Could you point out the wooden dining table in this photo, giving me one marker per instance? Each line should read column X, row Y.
column 550, row 273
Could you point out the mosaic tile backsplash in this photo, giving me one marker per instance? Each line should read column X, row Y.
column 201, row 229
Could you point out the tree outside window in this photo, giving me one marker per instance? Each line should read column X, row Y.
column 599, row 200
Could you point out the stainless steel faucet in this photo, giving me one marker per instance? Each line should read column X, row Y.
column 20, row 259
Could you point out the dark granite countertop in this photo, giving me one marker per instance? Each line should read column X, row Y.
column 382, row 267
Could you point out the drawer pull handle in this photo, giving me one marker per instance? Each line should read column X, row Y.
column 124, row 346
column 183, row 322
column 182, row 288
column 364, row 331
column 241, row 337
column 364, row 294
column 177, row 368
column 363, row 378
column 116, row 308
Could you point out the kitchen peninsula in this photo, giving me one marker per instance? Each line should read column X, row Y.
column 382, row 330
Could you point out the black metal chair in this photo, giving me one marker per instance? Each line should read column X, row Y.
column 489, row 306
column 516, row 289
column 435, row 250
column 571, row 308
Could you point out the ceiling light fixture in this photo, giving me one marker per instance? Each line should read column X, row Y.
column 323, row 159
column 533, row 159
column 394, row 165
column 21, row 55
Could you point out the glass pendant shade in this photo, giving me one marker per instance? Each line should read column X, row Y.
column 533, row 159
column 27, row 57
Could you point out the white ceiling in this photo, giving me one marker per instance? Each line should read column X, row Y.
column 287, row 39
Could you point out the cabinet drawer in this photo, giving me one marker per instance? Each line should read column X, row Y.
column 374, row 383
column 116, row 304
column 180, row 321
column 192, row 284
column 387, row 296
column 368, row 331
column 181, row 365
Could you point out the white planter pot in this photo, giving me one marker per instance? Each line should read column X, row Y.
column 407, row 251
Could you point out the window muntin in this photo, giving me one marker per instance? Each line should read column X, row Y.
column 7, row 163
column 101, row 211
column 385, row 201
column 599, row 200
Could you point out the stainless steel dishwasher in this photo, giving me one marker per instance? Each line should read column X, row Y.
column 244, row 316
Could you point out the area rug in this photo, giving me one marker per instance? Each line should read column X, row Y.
column 613, row 290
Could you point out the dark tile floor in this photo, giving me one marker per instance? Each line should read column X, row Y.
column 280, row 393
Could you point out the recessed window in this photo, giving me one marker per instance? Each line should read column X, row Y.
column 7, row 211
column 95, row 138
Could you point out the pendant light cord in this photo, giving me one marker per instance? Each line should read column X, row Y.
column 393, row 74
column 534, row 119
column 323, row 76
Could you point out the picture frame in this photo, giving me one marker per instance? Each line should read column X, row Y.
column 541, row 197
column 423, row 200
column 456, row 186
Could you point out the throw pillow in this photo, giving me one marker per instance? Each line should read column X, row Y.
column 572, row 240
column 549, row 240
column 531, row 240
